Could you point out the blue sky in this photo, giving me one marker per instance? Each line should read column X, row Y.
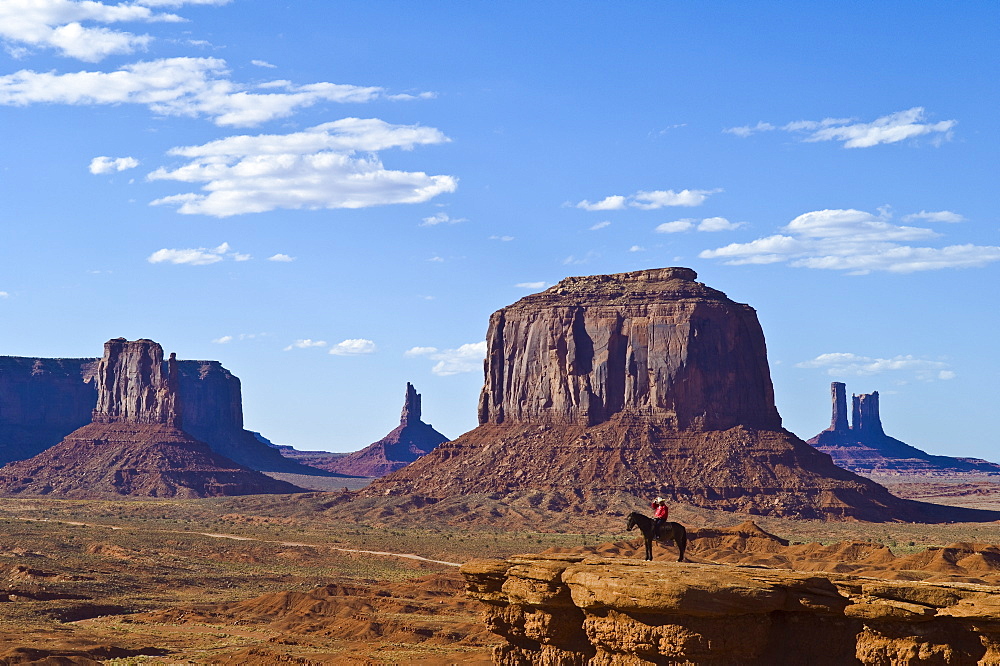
column 332, row 197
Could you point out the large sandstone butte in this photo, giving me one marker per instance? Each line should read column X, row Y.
column 863, row 447
column 411, row 439
column 42, row 400
column 644, row 383
column 134, row 444
column 566, row 609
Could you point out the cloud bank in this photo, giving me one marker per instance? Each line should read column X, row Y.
column 892, row 128
column 190, row 87
column 196, row 256
column 841, row 364
column 466, row 358
column 318, row 168
column 854, row 241
column 652, row 200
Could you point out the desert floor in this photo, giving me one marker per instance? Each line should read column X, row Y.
column 297, row 579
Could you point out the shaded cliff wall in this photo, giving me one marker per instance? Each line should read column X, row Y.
column 651, row 344
column 41, row 401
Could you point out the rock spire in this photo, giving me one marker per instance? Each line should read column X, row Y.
column 866, row 449
column 411, row 407
column 408, row 441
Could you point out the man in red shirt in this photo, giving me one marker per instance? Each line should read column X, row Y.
column 660, row 513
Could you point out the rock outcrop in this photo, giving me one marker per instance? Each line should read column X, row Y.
column 564, row 609
column 864, row 448
column 645, row 383
column 410, row 440
column 43, row 400
column 135, row 444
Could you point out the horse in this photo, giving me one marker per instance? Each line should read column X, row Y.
column 675, row 531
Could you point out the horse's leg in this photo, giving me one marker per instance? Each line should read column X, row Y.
column 649, row 549
column 680, row 536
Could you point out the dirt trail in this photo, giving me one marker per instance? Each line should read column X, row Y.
column 236, row 537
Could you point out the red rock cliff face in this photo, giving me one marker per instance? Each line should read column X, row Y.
column 652, row 344
column 134, row 385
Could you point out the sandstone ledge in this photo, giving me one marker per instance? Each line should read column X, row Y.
column 555, row 609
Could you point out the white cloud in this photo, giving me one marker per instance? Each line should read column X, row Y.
column 437, row 260
column 467, row 358
column 573, row 260
column 532, row 285
column 196, row 256
column 891, row 128
column 305, row 344
column 637, row 248
column 280, row 257
column 103, row 164
column 674, row 227
column 317, row 168
column 935, row 216
column 58, row 24
column 505, row 239
column 441, row 218
column 420, row 351
column 718, row 224
column 614, row 202
column 4, row 294
column 600, row 225
column 841, row 364
column 651, row 200
column 853, row 241
column 660, row 198
column 225, row 339
column 747, row 130
column 192, row 87
column 263, row 63
column 353, row 347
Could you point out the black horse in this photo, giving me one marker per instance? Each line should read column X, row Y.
column 673, row 531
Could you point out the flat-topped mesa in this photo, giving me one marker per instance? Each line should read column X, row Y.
column 134, row 385
column 653, row 345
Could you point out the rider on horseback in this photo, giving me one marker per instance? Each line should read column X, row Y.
column 660, row 512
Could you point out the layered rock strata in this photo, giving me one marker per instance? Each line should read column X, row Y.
column 410, row 440
column 43, row 400
column 135, row 444
column 865, row 448
column 561, row 609
column 645, row 383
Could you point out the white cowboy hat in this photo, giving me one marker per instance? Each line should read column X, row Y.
column 658, row 500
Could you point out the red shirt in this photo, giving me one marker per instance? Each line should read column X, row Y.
column 661, row 510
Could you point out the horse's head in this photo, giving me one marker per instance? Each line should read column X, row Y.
column 630, row 525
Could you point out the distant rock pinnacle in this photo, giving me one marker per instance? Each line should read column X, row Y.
column 410, row 440
column 866, row 449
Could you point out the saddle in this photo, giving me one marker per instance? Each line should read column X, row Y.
column 658, row 534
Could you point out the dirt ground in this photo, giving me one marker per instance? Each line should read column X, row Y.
column 296, row 579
